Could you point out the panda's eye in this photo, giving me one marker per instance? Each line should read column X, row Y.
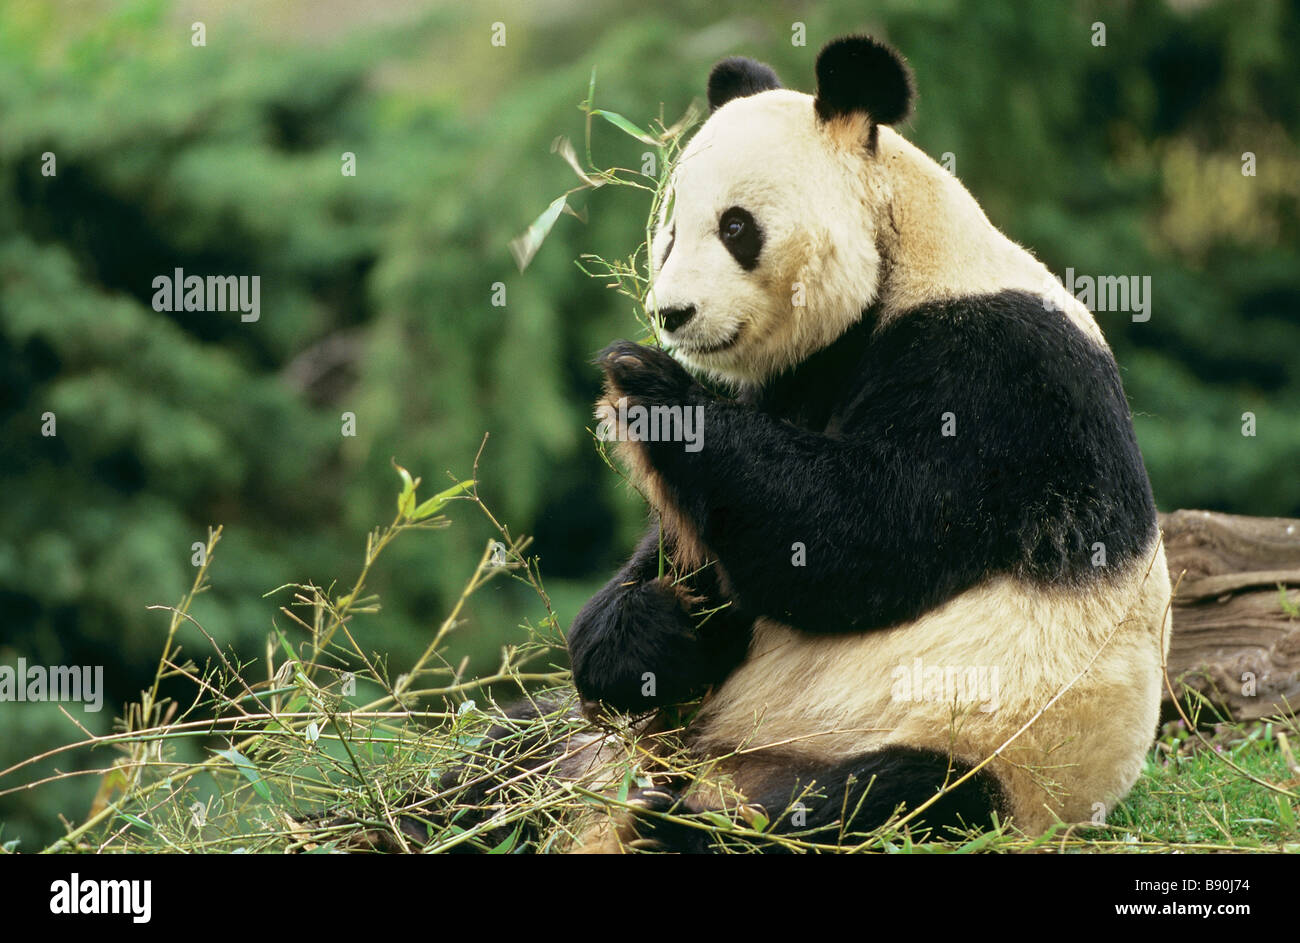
column 742, row 237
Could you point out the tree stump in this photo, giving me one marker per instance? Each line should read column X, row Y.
column 1233, row 639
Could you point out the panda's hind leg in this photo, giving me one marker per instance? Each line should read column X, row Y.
column 837, row 804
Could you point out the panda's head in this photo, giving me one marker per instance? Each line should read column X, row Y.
column 767, row 250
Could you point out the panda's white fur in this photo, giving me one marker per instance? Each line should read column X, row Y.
column 835, row 697
column 837, row 206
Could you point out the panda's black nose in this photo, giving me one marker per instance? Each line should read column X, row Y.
column 673, row 318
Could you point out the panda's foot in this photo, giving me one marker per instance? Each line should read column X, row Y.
column 811, row 804
column 648, row 830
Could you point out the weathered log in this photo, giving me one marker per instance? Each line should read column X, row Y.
column 1233, row 639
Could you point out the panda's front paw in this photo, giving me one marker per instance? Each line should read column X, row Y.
column 646, row 376
column 635, row 648
column 656, row 824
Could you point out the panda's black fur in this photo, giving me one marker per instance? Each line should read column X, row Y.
column 861, row 74
column 844, row 454
column 737, row 77
column 1045, row 465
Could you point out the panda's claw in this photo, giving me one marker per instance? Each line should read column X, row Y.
column 625, row 353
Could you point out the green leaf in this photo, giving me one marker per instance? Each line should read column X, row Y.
column 248, row 769
column 507, row 843
column 136, row 820
column 435, row 504
column 975, row 844
column 406, row 500
column 524, row 247
column 1285, row 812
column 284, row 642
column 627, row 127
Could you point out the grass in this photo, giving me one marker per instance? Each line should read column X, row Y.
column 1188, row 796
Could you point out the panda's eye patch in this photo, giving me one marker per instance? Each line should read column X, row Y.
column 742, row 237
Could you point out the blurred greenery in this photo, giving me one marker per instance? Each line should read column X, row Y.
column 377, row 288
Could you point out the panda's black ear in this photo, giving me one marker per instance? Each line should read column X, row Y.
column 857, row 74
column 739, row 77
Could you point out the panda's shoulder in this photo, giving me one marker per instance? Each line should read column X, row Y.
column 1012, row 319
column 1009, row 341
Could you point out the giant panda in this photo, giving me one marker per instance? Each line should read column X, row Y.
column 920, row 469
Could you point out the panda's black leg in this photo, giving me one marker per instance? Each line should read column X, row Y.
column 834, row 804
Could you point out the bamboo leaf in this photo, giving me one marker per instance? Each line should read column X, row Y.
column 248, row 769
column 524, row 247
column 507, row 843
column 975, row 844
column 435, row 504
column 627, row 127
column 406, row 499
column 136, row 820
column 564, row 147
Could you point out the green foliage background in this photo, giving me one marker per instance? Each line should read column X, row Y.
column 376, row 289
